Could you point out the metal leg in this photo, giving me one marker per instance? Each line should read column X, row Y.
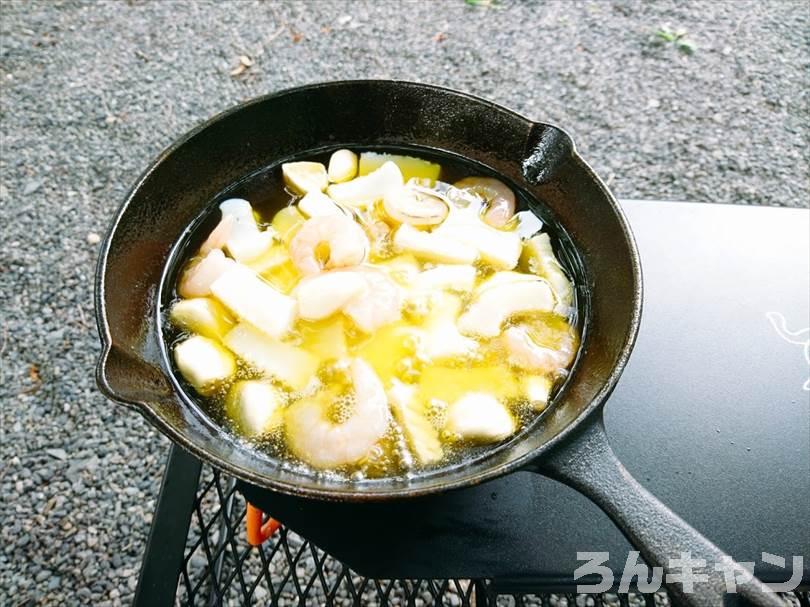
column 163, row 559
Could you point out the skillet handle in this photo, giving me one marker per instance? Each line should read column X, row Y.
column 588, row 464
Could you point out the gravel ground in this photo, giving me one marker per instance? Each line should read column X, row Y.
column 92, row 91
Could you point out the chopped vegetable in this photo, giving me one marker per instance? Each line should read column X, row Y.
column 203, row 363
column 252, row 299
column 538, row 390
column 316, row 204
column 479, row 417
column 449, row 277
column 538, row 258
column 288, row 364
column 287, row 222
column 410, row 166
column 244, row 239
column 382, row 321
column 498, row 248
column 432, row 246
column 201, row 315
column 322, row 295
column 366, row 190
column 255, row 406
column 440, row 339
column 422, row 437
column 304, row 177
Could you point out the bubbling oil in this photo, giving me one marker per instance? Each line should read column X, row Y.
column 393, row 350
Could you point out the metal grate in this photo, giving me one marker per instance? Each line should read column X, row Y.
column 220, row 568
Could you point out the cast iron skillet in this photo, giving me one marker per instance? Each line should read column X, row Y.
column 568, row 443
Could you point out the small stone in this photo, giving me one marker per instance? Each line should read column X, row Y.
column 59, row 454
column 31, row 186
column 93, row 238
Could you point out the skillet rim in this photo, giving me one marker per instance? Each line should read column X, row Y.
column 356, row 493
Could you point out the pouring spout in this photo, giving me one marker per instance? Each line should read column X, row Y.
column 549, row 148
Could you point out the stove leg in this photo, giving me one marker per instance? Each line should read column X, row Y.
column 163, row 558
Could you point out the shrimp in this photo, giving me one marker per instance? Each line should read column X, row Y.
column 367, row 296
column 197, row 280
column 320, row 442
column 327, row 242
column 219, row 236
column 378, row 304
column 528, row 355
column 498, row 198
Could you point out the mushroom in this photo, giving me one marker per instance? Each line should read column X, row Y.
column 493, row 306
column 415, row 205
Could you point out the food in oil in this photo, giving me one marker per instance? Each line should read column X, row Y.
column 389, row 318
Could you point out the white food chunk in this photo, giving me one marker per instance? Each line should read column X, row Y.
column 322, row 295
column 445, row 277
column 540, row 260
column 256, row 406
column 317, row 204
column 441, row 338
column 197, row 280
column 201, row 315
column 203, row 362
column 493, row 306
column 286, row 363
column 305, row 177
column 499, row 248
column 367, row 189
column 252, row 299
column 244, row 240
column 342, row 166
column 479, row 417
column 538, row 390
column 433, row 246
column 379, row 303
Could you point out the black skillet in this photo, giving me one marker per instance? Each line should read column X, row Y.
column 140, row 254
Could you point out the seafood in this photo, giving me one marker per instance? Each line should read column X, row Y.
column 197, row 280
column 327, row 242
column 316, row 439
column 382, row 321
column 498, row 199
column 525, row 353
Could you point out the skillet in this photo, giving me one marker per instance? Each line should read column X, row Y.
column 154, row 225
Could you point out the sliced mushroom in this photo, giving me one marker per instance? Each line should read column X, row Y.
column 494, row 306
column 415, row 205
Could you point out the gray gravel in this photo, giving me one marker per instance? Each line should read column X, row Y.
column 92, row 91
